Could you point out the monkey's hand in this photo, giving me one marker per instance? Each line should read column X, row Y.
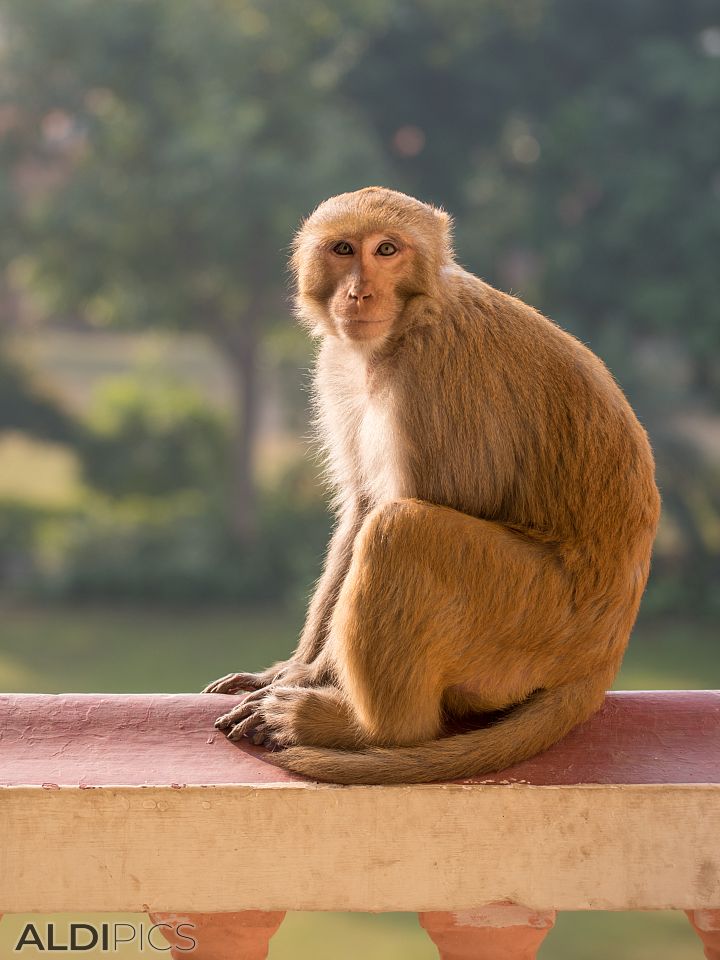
column 238, row 682
column 288, row 673
column 284, row 716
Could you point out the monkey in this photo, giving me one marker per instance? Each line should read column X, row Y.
column 495, row 505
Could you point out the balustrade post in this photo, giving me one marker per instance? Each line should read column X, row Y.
column 498, row 931
column 219, row 936
column 706, row 923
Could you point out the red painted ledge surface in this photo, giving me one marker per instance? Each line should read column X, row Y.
column 96, row 740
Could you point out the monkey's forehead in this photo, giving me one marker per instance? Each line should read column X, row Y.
column 372, row 210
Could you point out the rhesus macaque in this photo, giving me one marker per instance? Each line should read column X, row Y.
column 496, row 509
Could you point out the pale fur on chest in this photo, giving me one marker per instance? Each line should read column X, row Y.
column 363, row 445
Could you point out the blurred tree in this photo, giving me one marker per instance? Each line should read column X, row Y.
column 26, row 406
column 157, row 153
column 578, row 144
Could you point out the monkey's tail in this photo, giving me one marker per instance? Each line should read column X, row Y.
column 531, row 727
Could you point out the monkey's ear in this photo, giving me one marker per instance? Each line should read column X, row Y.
column 445, row 225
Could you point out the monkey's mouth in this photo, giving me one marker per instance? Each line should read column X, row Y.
column 365, row 328
column 363, row 316
column 365, row 320
column 361, row 323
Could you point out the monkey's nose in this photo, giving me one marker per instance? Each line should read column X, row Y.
column 358, row 296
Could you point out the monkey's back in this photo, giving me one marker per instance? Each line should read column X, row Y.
column 520, row 423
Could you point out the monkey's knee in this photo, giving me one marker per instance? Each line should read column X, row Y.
column 390, row 524
column 389, row 668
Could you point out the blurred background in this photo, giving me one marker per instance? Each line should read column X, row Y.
column 161, row 517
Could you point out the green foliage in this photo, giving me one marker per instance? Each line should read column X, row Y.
column 151, row 436
column 21, row 526
column 170, row 549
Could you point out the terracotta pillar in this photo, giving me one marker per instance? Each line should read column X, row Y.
column 706, row 924
column 498, row 931
column 219, row 936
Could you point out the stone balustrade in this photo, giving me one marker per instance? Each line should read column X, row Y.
column 135, row 803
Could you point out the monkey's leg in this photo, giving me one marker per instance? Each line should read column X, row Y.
column 437, row 601
column 304, row 668
column 431, row 597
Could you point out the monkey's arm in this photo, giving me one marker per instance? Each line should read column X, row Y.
column 304, row 667
column 337, row 564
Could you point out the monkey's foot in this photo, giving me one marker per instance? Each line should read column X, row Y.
column 261, row 718
column 287, row 716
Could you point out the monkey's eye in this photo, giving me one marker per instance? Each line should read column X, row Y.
column 386, row 249
column 343, row 249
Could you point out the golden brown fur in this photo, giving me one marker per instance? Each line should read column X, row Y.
column 496, row 511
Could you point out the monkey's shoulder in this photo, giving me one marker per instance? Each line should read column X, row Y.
column 492, row 336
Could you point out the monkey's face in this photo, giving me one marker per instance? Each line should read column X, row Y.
column 369, row 278
column 361, row 257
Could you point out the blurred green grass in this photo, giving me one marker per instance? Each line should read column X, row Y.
column 664, row 935
column 129, row 649
column 120, row 650
column 667, row 653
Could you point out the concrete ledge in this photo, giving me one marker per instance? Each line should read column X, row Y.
column 134, row 803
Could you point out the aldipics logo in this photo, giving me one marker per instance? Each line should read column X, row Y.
column 107, row 937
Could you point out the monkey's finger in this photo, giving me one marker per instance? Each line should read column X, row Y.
column 233, row 716
column 221, row 685
column 232, row 734
column 228, row 720
column 256, row 697
column 247, row 705
column 243, row 711
column 236, row 682
column 258, row 734
column 244, row 728
column 274, row 741
column 253, row 681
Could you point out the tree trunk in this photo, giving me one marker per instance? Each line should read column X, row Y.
column 242, row 493
column 239, row 345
